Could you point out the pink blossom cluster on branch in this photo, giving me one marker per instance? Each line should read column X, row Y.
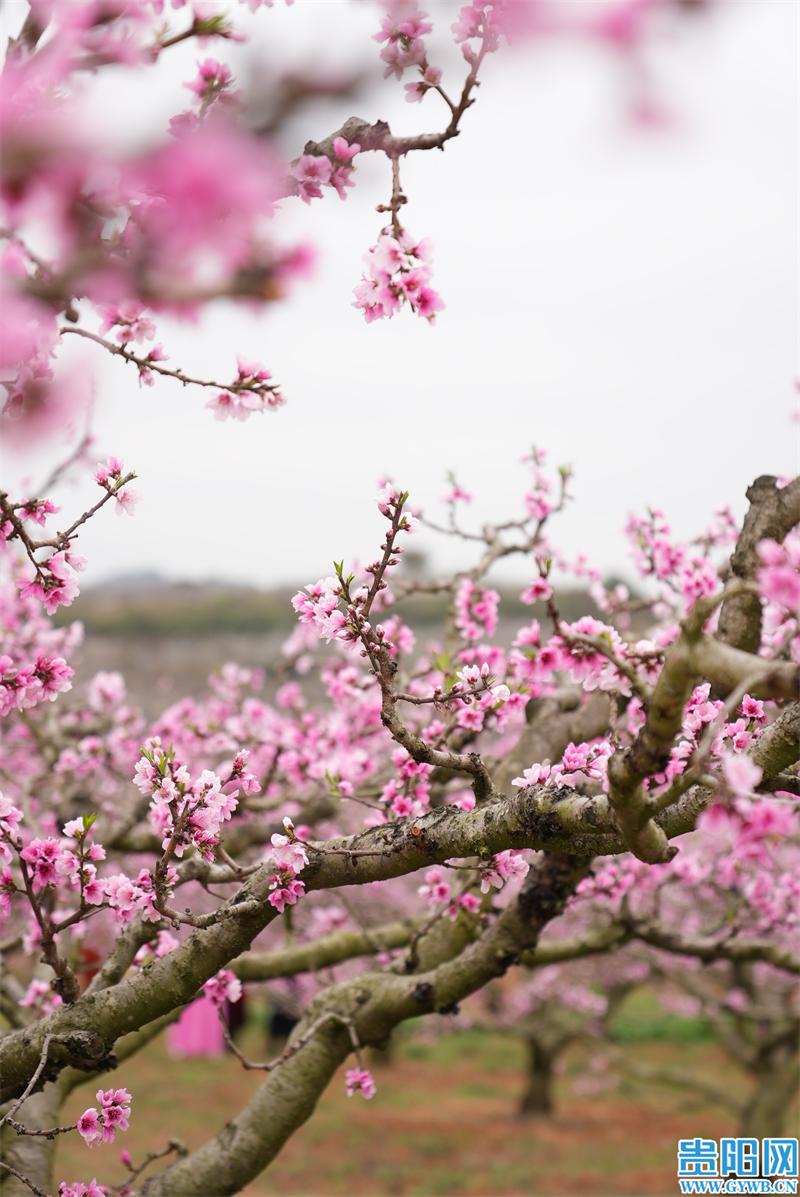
column 101, row 1126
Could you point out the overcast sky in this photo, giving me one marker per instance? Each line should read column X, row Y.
column 626, row 300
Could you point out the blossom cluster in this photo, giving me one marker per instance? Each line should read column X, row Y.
column 408, row 793
column 112, row 478
column 71, row 863
column 312, row 172
column 183, row 811
column 223, row 987
column 251, row 391
column 438, row 893
column 212, row 90
column 54, row 582
column 127, row 896
column 685, row 575
column 101, row 1125
column 320, row 604
column 580, row 764
column 476, row 610
column 779, row 573
column 24, row 685
column 398, row 272
column 129, row 319
column 288, row 856
column 79, row 1189
column 504, row 867
column 594, row 655
column 738, row 863
column 402, row 31
column 360, row 1080
column 74, row 861
column 482, row 21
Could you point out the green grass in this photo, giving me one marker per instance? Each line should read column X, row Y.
column 642, row 1019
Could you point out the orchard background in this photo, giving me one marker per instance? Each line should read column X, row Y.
column 472, row 866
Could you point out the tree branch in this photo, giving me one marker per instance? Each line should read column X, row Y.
column 692, row 657
column 773, row 512
column 375, row 1003
column 710, row 950
column 324, row 952
column 778, row 746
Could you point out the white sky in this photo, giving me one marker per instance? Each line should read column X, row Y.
column 626, row 300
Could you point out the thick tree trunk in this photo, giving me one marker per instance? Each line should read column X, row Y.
column 537, row 1100
column 767, row 1110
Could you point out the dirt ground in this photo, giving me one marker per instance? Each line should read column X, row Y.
column 441, row 1125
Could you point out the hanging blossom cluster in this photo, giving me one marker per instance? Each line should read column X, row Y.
column 360, row 1080
column 56, row 582
column 101, row 1125
column 398, row 273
